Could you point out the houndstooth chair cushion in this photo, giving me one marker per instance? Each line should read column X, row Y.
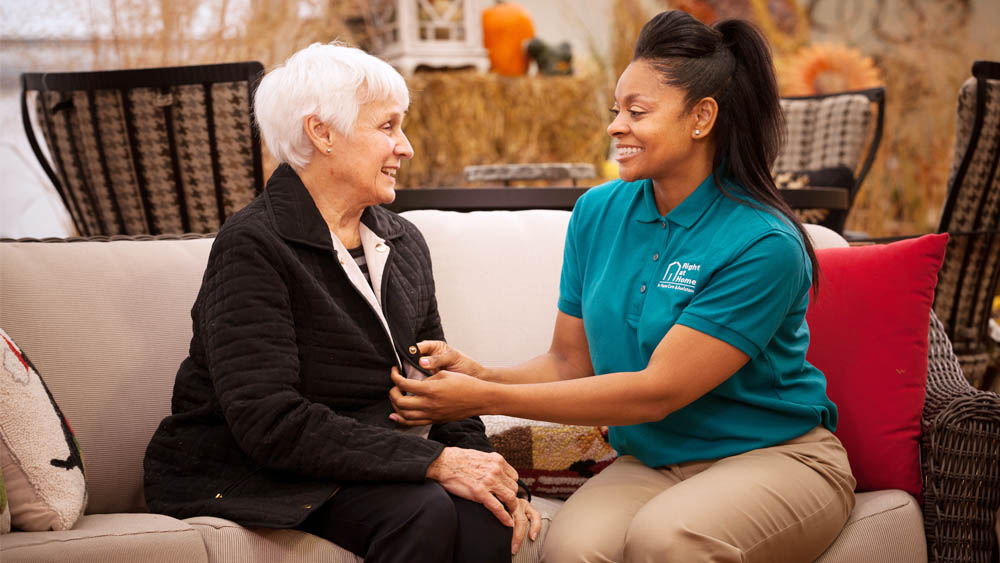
column 824, row 132
column 149, row 151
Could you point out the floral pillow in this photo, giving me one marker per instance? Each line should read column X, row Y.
column 39, row 456
column 551, row 459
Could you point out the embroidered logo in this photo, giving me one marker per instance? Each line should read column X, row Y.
column 680, row 275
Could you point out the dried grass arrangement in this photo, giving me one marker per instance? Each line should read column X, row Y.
column 463, row 118
column 181, row 32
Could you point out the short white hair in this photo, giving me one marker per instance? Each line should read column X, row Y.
column 331, row 81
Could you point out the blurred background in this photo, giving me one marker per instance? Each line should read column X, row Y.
column 920, row 50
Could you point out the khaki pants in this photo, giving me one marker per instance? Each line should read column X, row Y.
column 783, row 504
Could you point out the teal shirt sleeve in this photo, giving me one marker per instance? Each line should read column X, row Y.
column 571, row 279
column 747, row 299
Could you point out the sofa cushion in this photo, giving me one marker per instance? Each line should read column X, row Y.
column 228, row 541
column 486, row 261
column 39, row 455
column 884, row 527
column 107, row 323
column 868, row 334
column 109, row 538
column 824, row 237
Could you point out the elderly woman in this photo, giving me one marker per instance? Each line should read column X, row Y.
column 312, row 294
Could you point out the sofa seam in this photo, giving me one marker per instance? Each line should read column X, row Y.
column 69, row 540
column 873, row 514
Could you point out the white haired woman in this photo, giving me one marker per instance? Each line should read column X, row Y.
column 312, row 294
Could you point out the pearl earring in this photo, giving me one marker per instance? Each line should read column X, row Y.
column 328, row 150
column 697, row 132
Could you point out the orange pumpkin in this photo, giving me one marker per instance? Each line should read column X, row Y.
column 506, row 26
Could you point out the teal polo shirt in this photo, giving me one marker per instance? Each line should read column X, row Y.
column 721, row 267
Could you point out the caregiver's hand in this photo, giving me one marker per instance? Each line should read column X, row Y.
column 478, row 476
column 436, row 355
column 444, row 397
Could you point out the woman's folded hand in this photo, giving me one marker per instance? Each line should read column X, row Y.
column 478, row 476
column 526, row 520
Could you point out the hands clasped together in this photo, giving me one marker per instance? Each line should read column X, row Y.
column 478, row 476
column 455, row 391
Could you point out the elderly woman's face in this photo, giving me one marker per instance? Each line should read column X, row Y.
column 367, row 160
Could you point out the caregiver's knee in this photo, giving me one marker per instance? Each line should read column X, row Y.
column 663, row 541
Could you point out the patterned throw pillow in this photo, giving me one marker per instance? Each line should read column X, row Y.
column 39, row 455
column 551, row 459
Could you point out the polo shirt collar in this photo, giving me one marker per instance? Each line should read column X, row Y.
column 688, row 212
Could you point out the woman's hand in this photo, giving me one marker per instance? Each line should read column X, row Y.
column 526, row 519
column 436, row 355
column 481, row 477
column 444, row 397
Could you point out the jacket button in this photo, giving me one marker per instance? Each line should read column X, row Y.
column 381, row 247
column 307, row 506
column 413, row 350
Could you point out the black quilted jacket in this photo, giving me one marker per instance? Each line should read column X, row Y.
column 285, row 391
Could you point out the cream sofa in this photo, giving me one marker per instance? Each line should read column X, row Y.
column 107, row 324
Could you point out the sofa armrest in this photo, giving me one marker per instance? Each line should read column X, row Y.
column 960, row 448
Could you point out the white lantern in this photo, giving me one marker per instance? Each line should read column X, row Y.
column 433, row 33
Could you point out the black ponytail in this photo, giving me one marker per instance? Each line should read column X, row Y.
column 730, row 62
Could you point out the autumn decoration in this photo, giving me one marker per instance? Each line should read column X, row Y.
column 506, row 27
column 825, row 68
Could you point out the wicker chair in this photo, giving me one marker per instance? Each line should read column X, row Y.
column 830, row 141
column 970, row 274
column 150, row 151
column 960, row 454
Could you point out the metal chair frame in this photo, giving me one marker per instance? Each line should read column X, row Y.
column 877, row 97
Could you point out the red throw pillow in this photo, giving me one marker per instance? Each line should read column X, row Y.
column 868, row 334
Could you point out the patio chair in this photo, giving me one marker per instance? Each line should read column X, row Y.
column 970, row 274
column 148, row 151
column 959, row 458
column 830, row 142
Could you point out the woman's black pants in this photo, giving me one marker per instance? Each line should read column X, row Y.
column 410, row 523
